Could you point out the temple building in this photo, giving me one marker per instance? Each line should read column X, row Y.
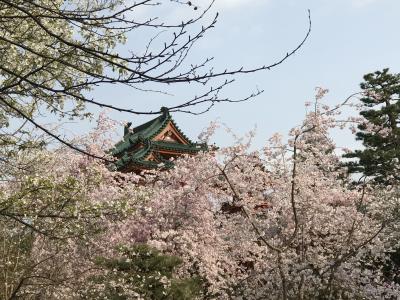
column 153, row 144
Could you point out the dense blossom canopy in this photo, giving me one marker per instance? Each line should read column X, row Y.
column 281, row 222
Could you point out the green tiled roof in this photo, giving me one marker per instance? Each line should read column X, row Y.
column 143, row 132
column 141, row 140
column 193, row 147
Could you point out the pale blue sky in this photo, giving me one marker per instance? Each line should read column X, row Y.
column 349, row 38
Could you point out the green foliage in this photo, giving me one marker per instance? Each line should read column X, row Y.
column 380, row 133
column 142, row 270
column 15, row 249
column 51, row 207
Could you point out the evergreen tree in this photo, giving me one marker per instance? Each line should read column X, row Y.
column 380, row 131
column 144, row 272
column 380, row 135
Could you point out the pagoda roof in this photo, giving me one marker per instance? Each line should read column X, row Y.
column 147, row 131
column 141, row 143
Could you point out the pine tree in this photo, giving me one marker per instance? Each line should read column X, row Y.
column 380, row 132
column 380, row 135
column 145, row 271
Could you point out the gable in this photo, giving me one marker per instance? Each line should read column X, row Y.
column 171, row 134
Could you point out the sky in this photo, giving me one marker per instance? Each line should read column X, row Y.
column 349, row 38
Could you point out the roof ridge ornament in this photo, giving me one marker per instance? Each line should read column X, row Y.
column 127, row 127
column 164, row 110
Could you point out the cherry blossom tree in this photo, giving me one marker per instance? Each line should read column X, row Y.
column 57, row 207
column 53, row 209
column 280, row 223
column 60, row 217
